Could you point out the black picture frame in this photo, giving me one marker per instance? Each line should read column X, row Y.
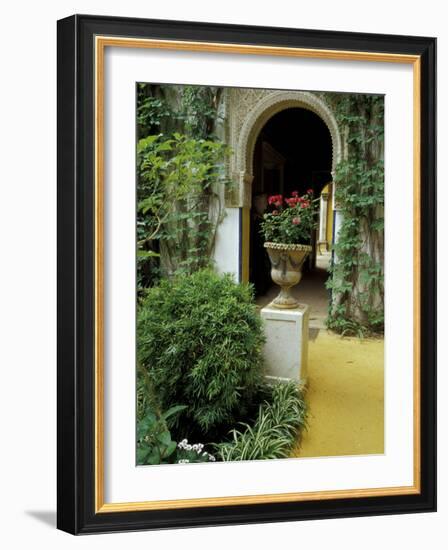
column 76, row 286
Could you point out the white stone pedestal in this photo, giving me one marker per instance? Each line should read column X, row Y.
column 286, row 348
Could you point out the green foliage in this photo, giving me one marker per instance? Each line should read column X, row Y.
column 177, row 202
column 199, row 110
column 200, row 341
column 156, row 446
column 180, row 175
column 169, row 170
column 154, row 443
column 151, row 111
column 154, row 439
column 357, row 281
column 275, row 430
column 292, row 219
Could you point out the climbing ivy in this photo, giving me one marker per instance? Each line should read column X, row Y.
column 180, row 172
column 151, row 112
column 357, row 273
column 177, row 199
column 199, row 110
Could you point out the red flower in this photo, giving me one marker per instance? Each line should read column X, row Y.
column 293, row 201
column 310, row 192
column 276, row 199
column 295, row 193
column 305, row 204
column 296, row 221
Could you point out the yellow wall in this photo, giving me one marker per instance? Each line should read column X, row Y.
column 330, row 214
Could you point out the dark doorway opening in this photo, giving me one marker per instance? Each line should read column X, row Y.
column 293, row 152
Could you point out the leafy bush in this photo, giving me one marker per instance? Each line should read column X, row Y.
column 274, row 432
column 200, row 340
column 154, row 443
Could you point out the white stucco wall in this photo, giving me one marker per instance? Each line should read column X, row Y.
column 227, row 247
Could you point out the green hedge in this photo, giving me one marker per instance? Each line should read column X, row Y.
column 200, row 340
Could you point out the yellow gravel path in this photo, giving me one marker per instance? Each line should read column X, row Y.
column 345, row 397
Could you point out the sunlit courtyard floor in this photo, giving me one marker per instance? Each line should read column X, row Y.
column 345, row 397
column 345, row 380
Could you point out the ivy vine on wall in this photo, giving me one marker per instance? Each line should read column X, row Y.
column 180, row 178
column 357, row 273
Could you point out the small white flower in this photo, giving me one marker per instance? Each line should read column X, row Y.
column 188, row 447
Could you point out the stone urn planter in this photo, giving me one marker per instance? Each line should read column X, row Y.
column 286, row 270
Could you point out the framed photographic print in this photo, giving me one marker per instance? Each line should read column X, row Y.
column 246, row 274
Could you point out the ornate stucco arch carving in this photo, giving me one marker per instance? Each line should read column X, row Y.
column 260, row 112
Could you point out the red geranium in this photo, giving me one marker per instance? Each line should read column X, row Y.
column 291, row 219
column 276, row 199
column 292, row 201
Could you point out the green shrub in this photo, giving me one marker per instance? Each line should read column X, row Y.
column 156, row 446
column 154, row 443
column 200, row 340
column 275, row 431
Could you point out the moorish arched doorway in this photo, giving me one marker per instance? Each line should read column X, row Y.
column 292, row 154
column 256, row 108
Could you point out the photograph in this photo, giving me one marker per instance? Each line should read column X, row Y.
column 246, row 257
column 221, row 251
column 260, row 274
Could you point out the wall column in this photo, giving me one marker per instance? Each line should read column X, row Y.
column 323, row 218
column 338, row 219
column 246, row 205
